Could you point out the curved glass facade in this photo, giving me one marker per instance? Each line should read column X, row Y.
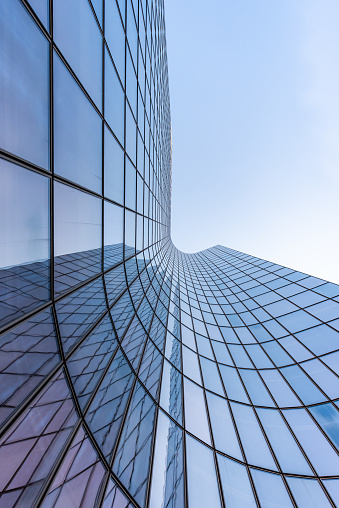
column 132, row 374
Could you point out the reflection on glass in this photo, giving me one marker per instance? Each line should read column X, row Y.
column 24, row 85
column 235, row 484
column 167, row 488
column 113, row 169
column 77, row 132
column 271, row 490
column 77, row 246
column 114, row 100
column 113, row 234
column 307, row 493
column 24, row 241
column 202, row 482
column 195, row 411
column 78, row 37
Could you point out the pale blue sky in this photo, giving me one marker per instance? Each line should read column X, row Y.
column 254, row 90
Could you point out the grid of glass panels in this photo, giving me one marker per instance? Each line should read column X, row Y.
column 133, row 374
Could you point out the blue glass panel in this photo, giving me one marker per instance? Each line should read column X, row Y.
column 233, row 386
column 225, row 438
column 41, row 8
column 271, row 490
column 77, row 230
column 78, row 311
column 288, row 453
column 235, row 484
column 113, row 234
column 24, row 85
column 115, row 36
column 114, row 100
column 89, row 361
column 195, row 411
column 113, row 168
column 320, row 340
column 307, row 493
column 132, row 460
column 302, row 385
column 252, row 438
column 105, row 414
column 78, row 37
column 77, row 132
column 27, row 354
column 24, row 241
column 321, row 454
column 202, row 485
column 328, row 418
column 167, row 487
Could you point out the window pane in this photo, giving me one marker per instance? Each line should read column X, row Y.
column 78, row 37
column 114, row 100
column 113, row 234
column 167, row 480
column 235, row 484
column 201, row 476
column 271, row 490
column 114, row 169
column 195, row 411
column 24, row 241
column 24, row 85
column 77, row 246
column 77, row 132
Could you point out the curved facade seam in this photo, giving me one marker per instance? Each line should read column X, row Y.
column 133, row 374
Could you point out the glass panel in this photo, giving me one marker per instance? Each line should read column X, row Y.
column 280, row 390
column 89, row 361
column 24, row 241
column 211, row 376
column 307, row 493
column 256, row 388
column 288, row 453
column 41, row 8
column 113, row 234
column 24, row 85
column 114, row 100
column 105, row 414
column 302, row 385
column 77, row 244
column 201, row 476
column 78, row 37
column 132, row 460
column 78, row 311
column 252, row 438
column 33, row 444
column 114, row 169
column 27, row 354
column 323, row 457
column 77, row 132
column 167, row 487
column 235, row 484
column 129, row 233
column 170, row 399
column 328, row 418
column 114, row 498
column 225, row 438
column 115, row 36
column 130, row 185
column 195, row 411
column 191, row 365
column 232, row 383
column 271, row 490
column 79, row 478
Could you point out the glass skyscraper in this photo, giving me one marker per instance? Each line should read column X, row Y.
column 132, row 374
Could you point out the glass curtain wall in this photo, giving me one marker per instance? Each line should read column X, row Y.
column 132, row 374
